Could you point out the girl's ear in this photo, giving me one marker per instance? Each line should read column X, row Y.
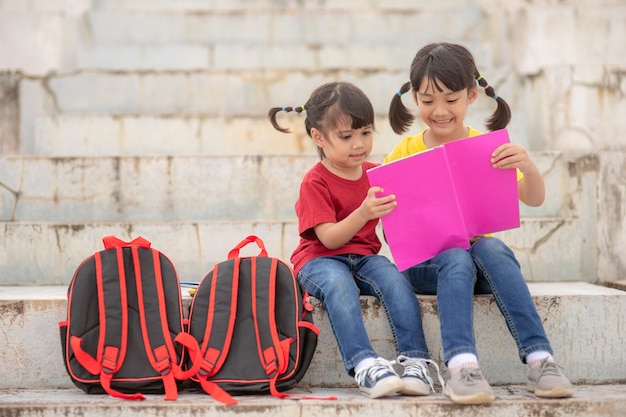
column 318, row 137
column 414, row 94
column 473, row 94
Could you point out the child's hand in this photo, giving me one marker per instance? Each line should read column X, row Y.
column 531, row 189
column 335, row 235
column 374, row 207
column 512, row 155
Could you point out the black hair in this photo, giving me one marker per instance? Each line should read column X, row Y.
column 328, row 105
column 453, row 66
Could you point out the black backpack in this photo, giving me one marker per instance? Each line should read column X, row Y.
column 254, row 327
column 124, row 334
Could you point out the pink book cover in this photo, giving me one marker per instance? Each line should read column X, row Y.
column 446, row 195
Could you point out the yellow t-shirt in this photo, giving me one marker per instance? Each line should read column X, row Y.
column 414, row 144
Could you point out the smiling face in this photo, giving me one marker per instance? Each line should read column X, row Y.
column 443, row 110
column 345, row 148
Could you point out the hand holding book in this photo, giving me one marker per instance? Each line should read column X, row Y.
column 446, row 196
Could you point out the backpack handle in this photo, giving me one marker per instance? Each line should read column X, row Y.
column 234, row 253
column 114, row 242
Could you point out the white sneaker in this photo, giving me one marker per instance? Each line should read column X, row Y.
column 416, row 377
column 379, row 380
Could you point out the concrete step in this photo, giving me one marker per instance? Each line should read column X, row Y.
column 231, row 34
column 248, row 91
column 511, row 401
column 80, row 135
column 207, row 187
column 48, row 253
column 585, row 324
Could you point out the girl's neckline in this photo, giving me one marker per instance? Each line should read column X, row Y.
column 430, row 145
column 328, row 166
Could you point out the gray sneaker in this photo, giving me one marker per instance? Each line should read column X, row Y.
column 547, row 381
column 378, row 380
column 468, row 386
column 416, row 378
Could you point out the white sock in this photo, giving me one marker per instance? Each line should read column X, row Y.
column 535, row 357
column 364, row 364
column 457, row 360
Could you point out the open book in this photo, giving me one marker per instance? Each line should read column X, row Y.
column 446, row 195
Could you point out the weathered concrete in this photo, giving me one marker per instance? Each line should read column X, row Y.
column 565, row 85
column 511, row 401
column 219, row 187
column 233, row 61
column 45, row 253
column 9, row 112
column 580, row 341
column 589, row 346
column 152, row 135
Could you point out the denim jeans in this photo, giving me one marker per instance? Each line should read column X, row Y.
column 487, row 267
column 338, row 281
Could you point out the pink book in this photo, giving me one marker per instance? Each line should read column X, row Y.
column 446, row 195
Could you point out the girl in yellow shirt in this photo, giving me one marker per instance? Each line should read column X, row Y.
column 443, row 83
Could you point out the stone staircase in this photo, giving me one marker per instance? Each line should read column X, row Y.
column 147, row 118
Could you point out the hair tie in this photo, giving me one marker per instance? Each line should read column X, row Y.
column 399, row 93
column 284, row 108
column 479, row 78
column 495, row 96
column 302, row 107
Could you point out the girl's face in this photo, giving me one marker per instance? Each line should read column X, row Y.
column 345, row 148
column 443, row 111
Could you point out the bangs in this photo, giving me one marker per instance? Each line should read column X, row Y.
column 441, row 66
column 357, row 113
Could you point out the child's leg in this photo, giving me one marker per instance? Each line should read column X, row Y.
column 330, row 280
column 452, row 275
column 499, row 273
column 377, row 276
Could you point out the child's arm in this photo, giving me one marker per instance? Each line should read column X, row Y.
column 531, row 189
column 335, row 235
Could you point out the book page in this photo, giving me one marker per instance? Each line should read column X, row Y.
column 487, row 196
column 427, row 219
column 446, row 195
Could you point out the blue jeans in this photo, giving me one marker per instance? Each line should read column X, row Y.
column 487, row 267
column 338, row 281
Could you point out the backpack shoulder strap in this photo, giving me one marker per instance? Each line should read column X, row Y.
column 223, row 285
column 113, row 317
column 152, row 305
column 273, row 353
column 220, row 289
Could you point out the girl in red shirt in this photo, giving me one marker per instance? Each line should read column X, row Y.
column 337, row 258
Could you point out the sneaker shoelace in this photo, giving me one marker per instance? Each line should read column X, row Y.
column 380, row 367
column 469, row 376
column 548, row 368
column 419, row 369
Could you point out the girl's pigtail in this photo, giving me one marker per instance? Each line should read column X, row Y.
column 400, row 117
column 502, row 115
column 271, row 114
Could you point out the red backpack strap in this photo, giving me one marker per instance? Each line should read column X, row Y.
column 114, row 242
column 113, row 317
column 153, row 316
column 234, row 253
column 219, row 323
column 273, row 353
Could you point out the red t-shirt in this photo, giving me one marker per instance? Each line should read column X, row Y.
column 327, row 198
